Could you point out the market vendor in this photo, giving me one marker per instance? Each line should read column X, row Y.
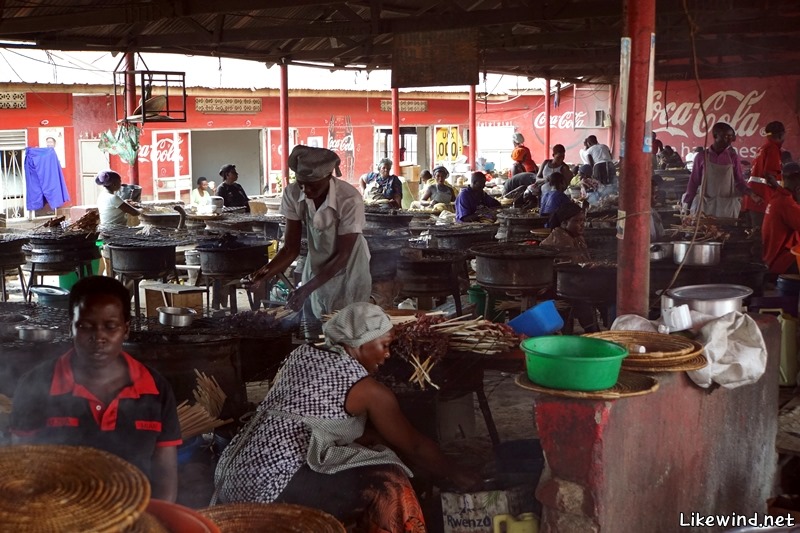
column 382, row 186
column 765, row 175
column 201, row 195
column 556, row 164
column 519, row 181
column 336, row 270
column 668, row 158
column 723, row 176
column 568, row 224
column 522, row 154
column 99, row 396
column 111, row 207
column 439, row 192
column 781, row 229
column 232, row 193
column 553, row 199
column 307, row 443
column 473, row 204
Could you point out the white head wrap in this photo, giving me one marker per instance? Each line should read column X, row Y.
column 357, row 324
column 518, row 138
column 313, row 164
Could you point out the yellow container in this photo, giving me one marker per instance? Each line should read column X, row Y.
column 272, row 249
column 524, row 523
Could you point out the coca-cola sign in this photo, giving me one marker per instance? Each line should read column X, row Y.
column 345, row 144
column 685, row 119
column 564, row 121
column 165, row 150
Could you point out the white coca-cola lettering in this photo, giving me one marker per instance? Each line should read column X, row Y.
column 345, row 144
column 165, row 150
column 564, row 121
column 675, row 118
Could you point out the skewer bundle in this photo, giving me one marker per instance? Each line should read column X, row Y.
column 202, row 417
column 477, row 335
column 421, row 375
column 87, row 223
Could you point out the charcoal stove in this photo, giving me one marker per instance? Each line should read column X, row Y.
column 11, row 258
column 138, row 261
column 432, row 272
column 384, row 253
column 461, row 237
column 229, row 259
column 267, row 226
column 516, row 225
column 59, row 252
column 387, row 220
column 514, row 269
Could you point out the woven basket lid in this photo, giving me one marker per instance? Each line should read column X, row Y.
column 628, row 384
column 655, row 344
column 697, row 362
column 273, row 517
column 48, row 488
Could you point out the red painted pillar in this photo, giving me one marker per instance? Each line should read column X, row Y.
column 633, row 274
column 546, row 119
column 284, row 118
column 396, row 129
column 472, row 149
column 130, row 106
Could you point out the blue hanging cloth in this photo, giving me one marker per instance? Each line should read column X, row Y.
column 44, row 180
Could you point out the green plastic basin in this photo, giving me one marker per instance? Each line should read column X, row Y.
column 573, row 363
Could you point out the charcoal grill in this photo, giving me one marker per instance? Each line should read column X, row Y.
column 462, row 237
column 387, row 220
column 384, row 254
column 59, row 252
column 432, row 272
column 516, row 225
column 514, row 269
column 223, row 262
column 137, row 261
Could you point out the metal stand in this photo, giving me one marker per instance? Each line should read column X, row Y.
column 136, row 279
column 3, row 269
column 83, row 269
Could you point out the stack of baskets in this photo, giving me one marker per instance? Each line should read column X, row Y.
column 273, row 517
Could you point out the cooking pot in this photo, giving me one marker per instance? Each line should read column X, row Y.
column 179, row 317
column 699, row 253
column 33, row 333
column 9, row 323
column 218, row 202
column 714, row 299
column 660, row 250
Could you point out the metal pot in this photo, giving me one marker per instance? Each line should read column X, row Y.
column 461, row 238
column 152, row 261
column 429, row 272
column 714, row 299
column 234, row 262
column 178, row 317
column 33, row 333
column 660, row 250
column 51, row 296
column 699, row 253
column 9, row 323
column 218, row 202
column 513, row 266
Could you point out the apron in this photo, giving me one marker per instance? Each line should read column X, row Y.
column 721, row 198
column 352, row 284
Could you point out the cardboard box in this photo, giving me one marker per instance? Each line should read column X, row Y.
column 473, row 512
column 410, row 173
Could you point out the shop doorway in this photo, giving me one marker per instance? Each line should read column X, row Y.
column 211, row 149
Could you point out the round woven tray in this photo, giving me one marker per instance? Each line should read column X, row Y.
column 628, row 384
column 48, row 488
column 272, row 517
column 655, row 344
column 695, row 363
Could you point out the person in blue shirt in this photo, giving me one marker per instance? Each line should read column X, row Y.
column 473, row 203
column 382, row 185
column 556, row 197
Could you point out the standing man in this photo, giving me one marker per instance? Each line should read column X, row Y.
column 599, row 156
column 765, row 176
column 383, row 185
column 473, row 203
column 336, row 271
column 781, row 229
column 232, row 193
column 721, row 178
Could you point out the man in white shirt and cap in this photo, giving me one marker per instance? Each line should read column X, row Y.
column 336, row 271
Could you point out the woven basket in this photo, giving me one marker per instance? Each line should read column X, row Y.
column 48, row 488
column 147, row 523
column 655, row 344
column 272, row 517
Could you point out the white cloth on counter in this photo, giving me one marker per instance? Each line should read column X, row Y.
column 734, row 347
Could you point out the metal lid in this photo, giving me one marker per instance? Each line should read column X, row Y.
column 49, row 290
column 710, row 292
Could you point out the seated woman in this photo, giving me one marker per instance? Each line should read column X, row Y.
column 555, row 197
column 382, row 186
column 97, row 395
column 669, row 158
column 439, row 192
column 307, row 443
column 568, row 224
column 201, row 194
column 232, row 193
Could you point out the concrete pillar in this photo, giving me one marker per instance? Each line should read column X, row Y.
column 396, row 130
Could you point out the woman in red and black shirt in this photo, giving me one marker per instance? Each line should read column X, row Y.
column 97, row 395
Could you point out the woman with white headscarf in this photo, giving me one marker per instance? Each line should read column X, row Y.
column 307, row 444
column 382, row 186
column 336, row 271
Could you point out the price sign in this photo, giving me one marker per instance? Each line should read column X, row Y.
column 447, row 143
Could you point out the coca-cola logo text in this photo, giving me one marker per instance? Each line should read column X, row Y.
column 345, row 144
column 164, row 151
column 568, row 120
column 677, row 118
